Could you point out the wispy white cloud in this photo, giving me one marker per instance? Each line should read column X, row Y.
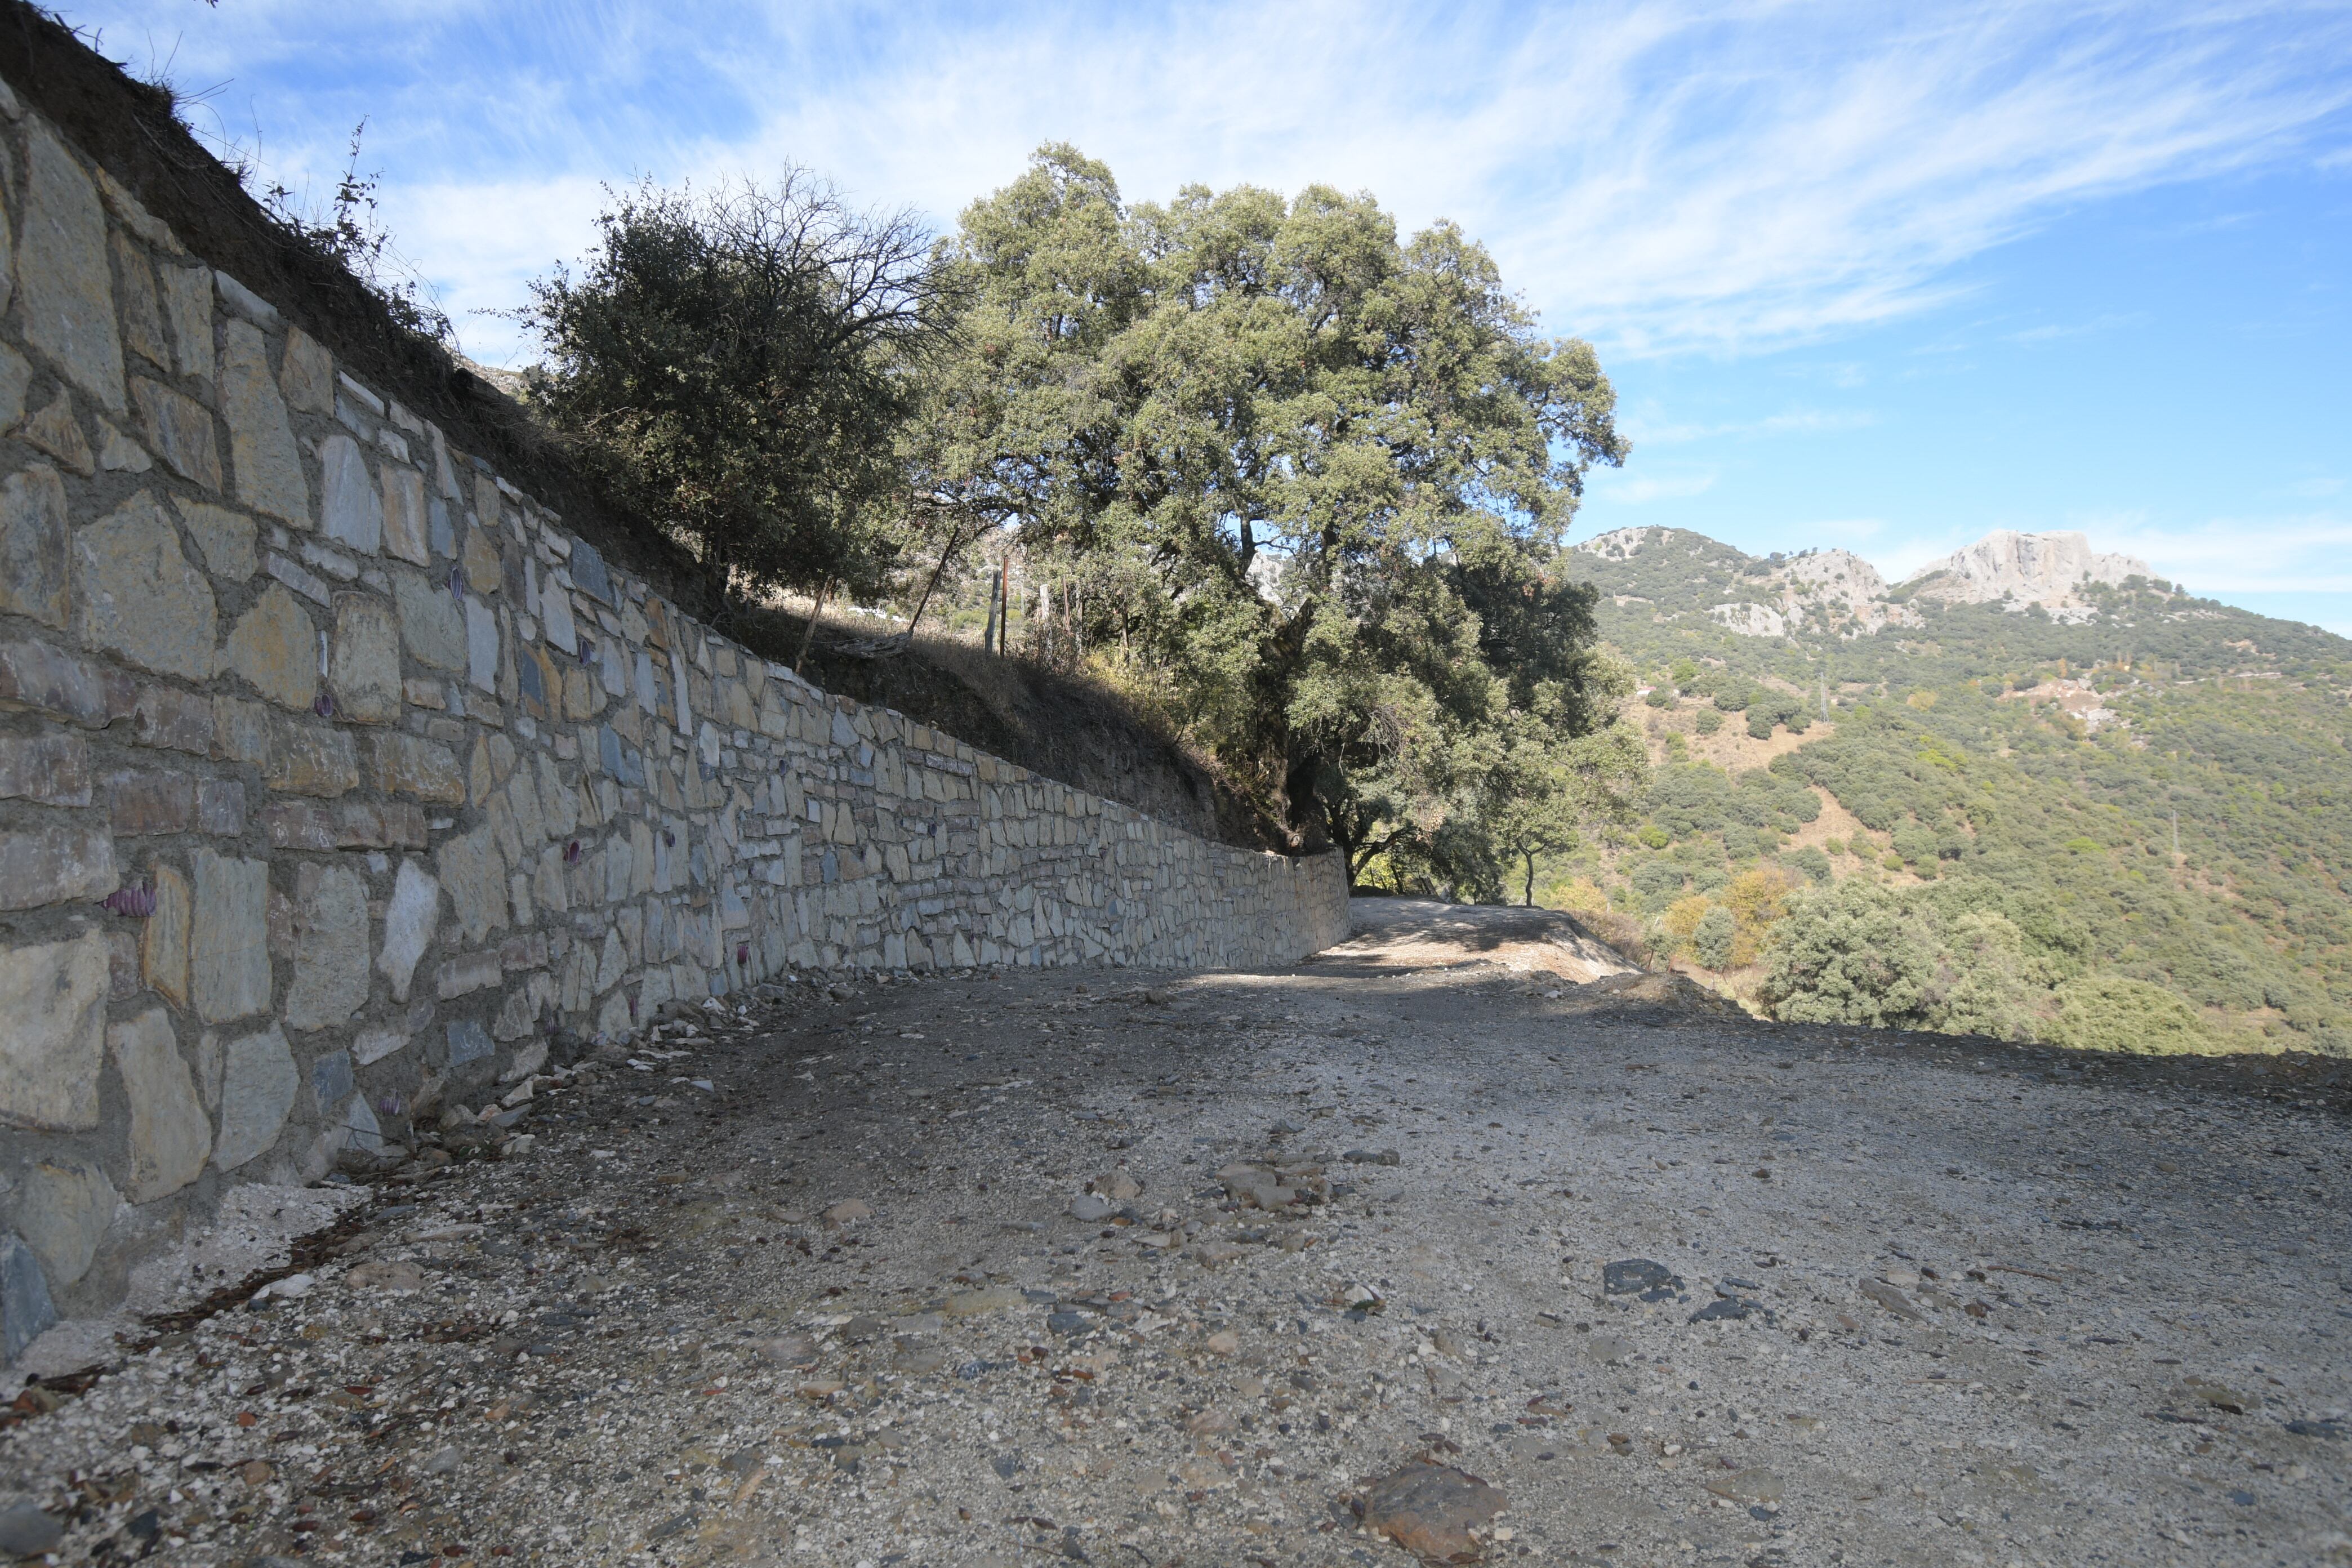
column 2294, row 553
column 1635, row 489
column 2055, row 330
column 1795, row 422
column 1665, row 175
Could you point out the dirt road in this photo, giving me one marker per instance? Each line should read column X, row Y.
column 824, row 1282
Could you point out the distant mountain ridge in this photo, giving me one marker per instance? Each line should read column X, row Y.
column 1836, row 590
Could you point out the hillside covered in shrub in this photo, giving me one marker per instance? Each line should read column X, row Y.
column 2122, row 819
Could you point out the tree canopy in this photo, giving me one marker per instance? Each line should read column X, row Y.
column 740, row 367
column 1302, row 481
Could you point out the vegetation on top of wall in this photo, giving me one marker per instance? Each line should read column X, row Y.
column 1057, row 724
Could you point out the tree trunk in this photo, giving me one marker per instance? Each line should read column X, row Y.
column 947, row 554
column 809, row 636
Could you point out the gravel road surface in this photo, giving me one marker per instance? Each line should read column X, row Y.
column 1406, row 1249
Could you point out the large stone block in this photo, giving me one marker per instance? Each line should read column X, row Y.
column 431, row 625
column 51, row 768
column 258, row 1081
column 65, row 684
column 481, row 645
column 330, row 1083
column 244, row 732
column 330, row 949
column 33, row 545
column 473, row 873
column 540, row 686
column 53, row 995
column 140, row 802
column 62, row 275
column 174, row 719
column 60, row 861
column 557, row 799
column 469, row 1042
column 364, row 672
column 308, row 376
column 224, row 538
column 409, row 921
column 276, row 647
column 588, row 572
column 351, row 512
column 188, row 301
column 407, row 764
column 163, row 944
column 220, row 807
column 180, row 430
column 138, row 593
column 466, row 973
column 16, row 370
column 407, row 524
column 267, row 464
column 54, row 430
column 62, row 1213
column 229, row 947
column 484, row 569
column 25, row 1310
column 169, row 1136
column 313, row 759
column 142, row 320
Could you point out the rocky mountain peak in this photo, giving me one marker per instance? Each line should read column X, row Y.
column 2030, row 568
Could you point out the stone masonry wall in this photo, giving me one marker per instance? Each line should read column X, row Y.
column 334, row 775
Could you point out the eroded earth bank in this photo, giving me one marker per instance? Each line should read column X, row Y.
column 1263, row 1268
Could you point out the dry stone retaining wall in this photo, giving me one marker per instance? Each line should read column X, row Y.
column 334, row 774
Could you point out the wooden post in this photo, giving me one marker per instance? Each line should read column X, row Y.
column 809, row 636
column 988, row 635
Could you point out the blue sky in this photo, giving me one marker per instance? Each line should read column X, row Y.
column 1882, row 277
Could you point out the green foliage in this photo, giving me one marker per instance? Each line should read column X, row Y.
column 1710, row 722
column 741, row 366
column 1711, row 940
column 1311, row 480
column 1850, row 956
column 2116, row 1013
column 1814, row 865
column 1695, row 798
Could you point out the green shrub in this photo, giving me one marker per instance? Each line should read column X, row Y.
column 1651, row 879
column 1709, row 720
column 1654, row 837
column 2117, row 1013
column 1712, row 941
column 1914, row 843
column 1849, row 955
column 1811, row 862
column 1759, row 724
